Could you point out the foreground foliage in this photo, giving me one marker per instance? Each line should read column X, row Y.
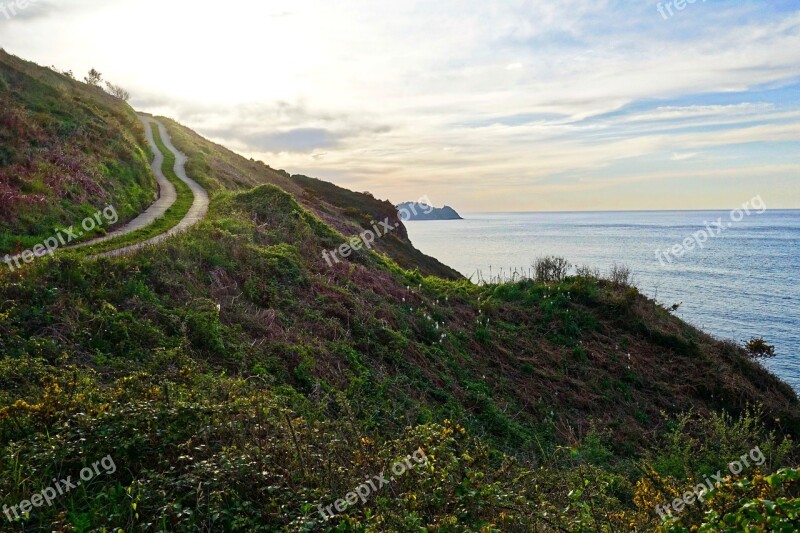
column 200, row 451
column 239, row 383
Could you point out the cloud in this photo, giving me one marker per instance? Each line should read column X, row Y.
column 297, row 140
column 682, row 157
column 699, row 111
column 482, row 103
column 13, row 10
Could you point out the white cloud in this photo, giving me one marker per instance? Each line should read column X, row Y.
column 376, row 95
column 697, row 111
column 684, row 156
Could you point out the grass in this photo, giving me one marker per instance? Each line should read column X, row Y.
column 359, row 211
column 238, row 382
column 171, row 218
column 66, row 150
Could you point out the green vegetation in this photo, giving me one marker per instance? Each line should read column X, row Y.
column 238, row 382
column 66, row 150
column 551, row 269
column 218, row 169
column 170, row 219
column 352, row 212
column 759, row 349
column 763, row 503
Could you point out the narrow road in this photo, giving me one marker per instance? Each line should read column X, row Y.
column 166, row 189
column 166, row 198
column 195, row 214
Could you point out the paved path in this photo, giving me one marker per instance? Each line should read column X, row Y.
column 195, row 214
column 166, row 191
column 166, row 198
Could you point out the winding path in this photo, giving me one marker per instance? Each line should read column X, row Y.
column 167, row 197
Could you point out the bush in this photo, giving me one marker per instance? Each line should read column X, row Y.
column 762, row 503
column 551, row 269
column 759, row 349
column 586, row 271
column 620, row 274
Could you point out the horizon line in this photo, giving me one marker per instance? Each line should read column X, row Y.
column 618, row 211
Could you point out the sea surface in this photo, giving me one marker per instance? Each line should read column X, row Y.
column 743, row 283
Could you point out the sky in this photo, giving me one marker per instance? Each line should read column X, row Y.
column 513, row 105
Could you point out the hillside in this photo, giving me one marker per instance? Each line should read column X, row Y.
column 240, row 382
column 66, row 150
column 350, row 213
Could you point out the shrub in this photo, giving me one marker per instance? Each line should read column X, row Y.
column 761, row 503
column 93, row 78
column 620, row 274
column 759, row 349
column 551, row 269
column 117, row 91
column 585, row 271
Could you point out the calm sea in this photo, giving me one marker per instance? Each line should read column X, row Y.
column 743, row 283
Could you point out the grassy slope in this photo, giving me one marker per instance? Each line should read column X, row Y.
column 137, row 355
column 217, row 168
column 66, row 150
column 237, row 382
column 353, row 212
column 170, row 219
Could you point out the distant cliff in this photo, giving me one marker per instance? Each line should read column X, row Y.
column 419, row 211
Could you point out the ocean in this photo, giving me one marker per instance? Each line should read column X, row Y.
column 743, row 282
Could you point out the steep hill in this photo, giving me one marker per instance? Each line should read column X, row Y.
column 66, row 150
column 241, row 382
column 350, row 213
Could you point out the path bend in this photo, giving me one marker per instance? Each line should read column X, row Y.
column 196, row 213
